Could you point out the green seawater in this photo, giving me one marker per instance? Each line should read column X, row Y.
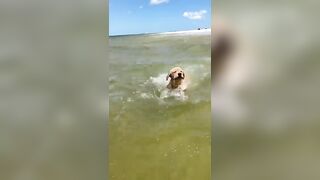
column 155, row 134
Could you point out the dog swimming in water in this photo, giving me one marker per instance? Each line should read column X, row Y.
column 177, row 79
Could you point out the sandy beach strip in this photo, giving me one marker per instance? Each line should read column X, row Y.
column 190, row 32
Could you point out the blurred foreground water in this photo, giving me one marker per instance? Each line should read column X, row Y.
column 53, row 63
column 266, row 103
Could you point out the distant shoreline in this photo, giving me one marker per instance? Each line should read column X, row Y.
column 187, row 32
column 201, row 31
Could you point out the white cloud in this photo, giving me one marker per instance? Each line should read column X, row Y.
column 157, row 2
column 195, row 15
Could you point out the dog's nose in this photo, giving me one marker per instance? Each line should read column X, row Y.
column 179, row 74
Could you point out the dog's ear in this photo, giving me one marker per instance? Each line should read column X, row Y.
column 169, row 75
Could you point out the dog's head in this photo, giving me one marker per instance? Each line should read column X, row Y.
column 176, row 73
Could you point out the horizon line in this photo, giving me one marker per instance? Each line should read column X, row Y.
column 147, row 33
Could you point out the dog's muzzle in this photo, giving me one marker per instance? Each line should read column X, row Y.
column 180, row 76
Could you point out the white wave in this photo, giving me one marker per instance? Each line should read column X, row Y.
column 176, row 93
column 146, row 96
column 160, row 81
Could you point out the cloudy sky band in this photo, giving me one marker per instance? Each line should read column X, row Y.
column 152, row 16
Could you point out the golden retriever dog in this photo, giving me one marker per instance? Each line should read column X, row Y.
column 177, row 77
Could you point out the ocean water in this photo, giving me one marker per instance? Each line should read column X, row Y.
column 156, row 134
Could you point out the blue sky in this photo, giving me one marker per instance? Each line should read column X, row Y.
column 151, row 16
